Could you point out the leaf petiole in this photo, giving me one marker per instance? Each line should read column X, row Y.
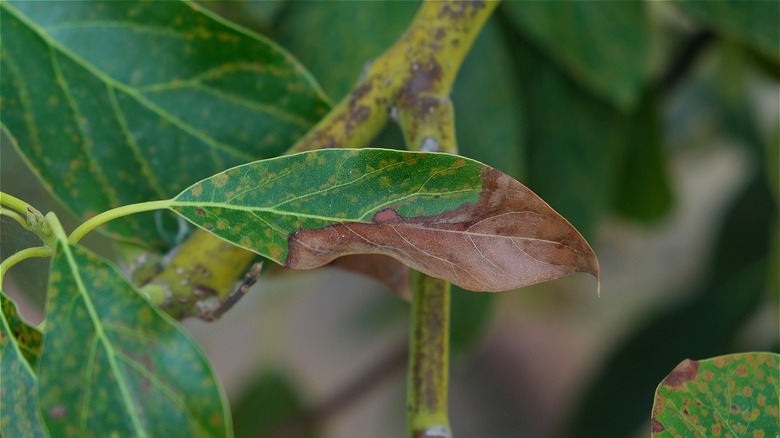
column 115, row 213
column 38, row 251
column 13, row 203
column 14, row 215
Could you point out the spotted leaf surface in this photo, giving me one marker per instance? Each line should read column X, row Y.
column 28, row 338
column 113, row 103
column 114, row 365
column 19, row 345
column 444, row 215
column 734, row 395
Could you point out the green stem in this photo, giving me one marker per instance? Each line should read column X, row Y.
column 39, row 251
column 13, row 202
column 428, row 377
column 115, row 213
column 427, row 119
column 15, row 216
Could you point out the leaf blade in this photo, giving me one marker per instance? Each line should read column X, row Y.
column 112, row 362
column 445, row 215
column 736, row 393
column 19, row 345
column 141, row 100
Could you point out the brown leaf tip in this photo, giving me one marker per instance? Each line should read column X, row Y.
column 683, row 373
column 509, row 238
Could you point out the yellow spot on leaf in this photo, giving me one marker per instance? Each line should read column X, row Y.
column 197, row 190
column 220, row 180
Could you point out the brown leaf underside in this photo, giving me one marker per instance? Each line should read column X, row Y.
column 386, row 270
column 509, row 239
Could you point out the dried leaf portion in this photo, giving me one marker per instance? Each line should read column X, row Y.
column 444, row 215
column 509, row 239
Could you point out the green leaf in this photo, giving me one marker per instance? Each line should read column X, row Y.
column 489, row 119
column 447, row 216
column 114, row 364
column 27, row 337
column 255, row 15
column 643, row 190
column 753, row 23
column 113, row 103
column 733, row 395
column 603, row 45
column 19, row 342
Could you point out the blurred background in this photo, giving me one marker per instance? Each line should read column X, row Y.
column 652, row 126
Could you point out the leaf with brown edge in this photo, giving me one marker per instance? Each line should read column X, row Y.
column 444, row 215
column 734, row 395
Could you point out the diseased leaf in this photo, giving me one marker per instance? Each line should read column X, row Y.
column 19, row 343
column 112, row 364
column 113, row 103
column 444, row 215
column 28, row 338
column 733, row 395
column 605, row 46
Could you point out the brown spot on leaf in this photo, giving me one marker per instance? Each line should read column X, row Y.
column 510, row 238
column 58, row 412
column 684, row 372
column 200, row 212
column 656, row 426
column 387, row 216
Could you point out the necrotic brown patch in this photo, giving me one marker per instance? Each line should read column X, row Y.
column 508, row 239
column 684, row 372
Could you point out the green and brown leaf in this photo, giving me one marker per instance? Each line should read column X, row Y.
column 444, row 215
column 734, row 395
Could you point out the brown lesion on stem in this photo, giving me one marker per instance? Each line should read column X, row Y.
column 412, row 80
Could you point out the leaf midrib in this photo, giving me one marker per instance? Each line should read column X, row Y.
column 339, row 221
column 102, row 336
